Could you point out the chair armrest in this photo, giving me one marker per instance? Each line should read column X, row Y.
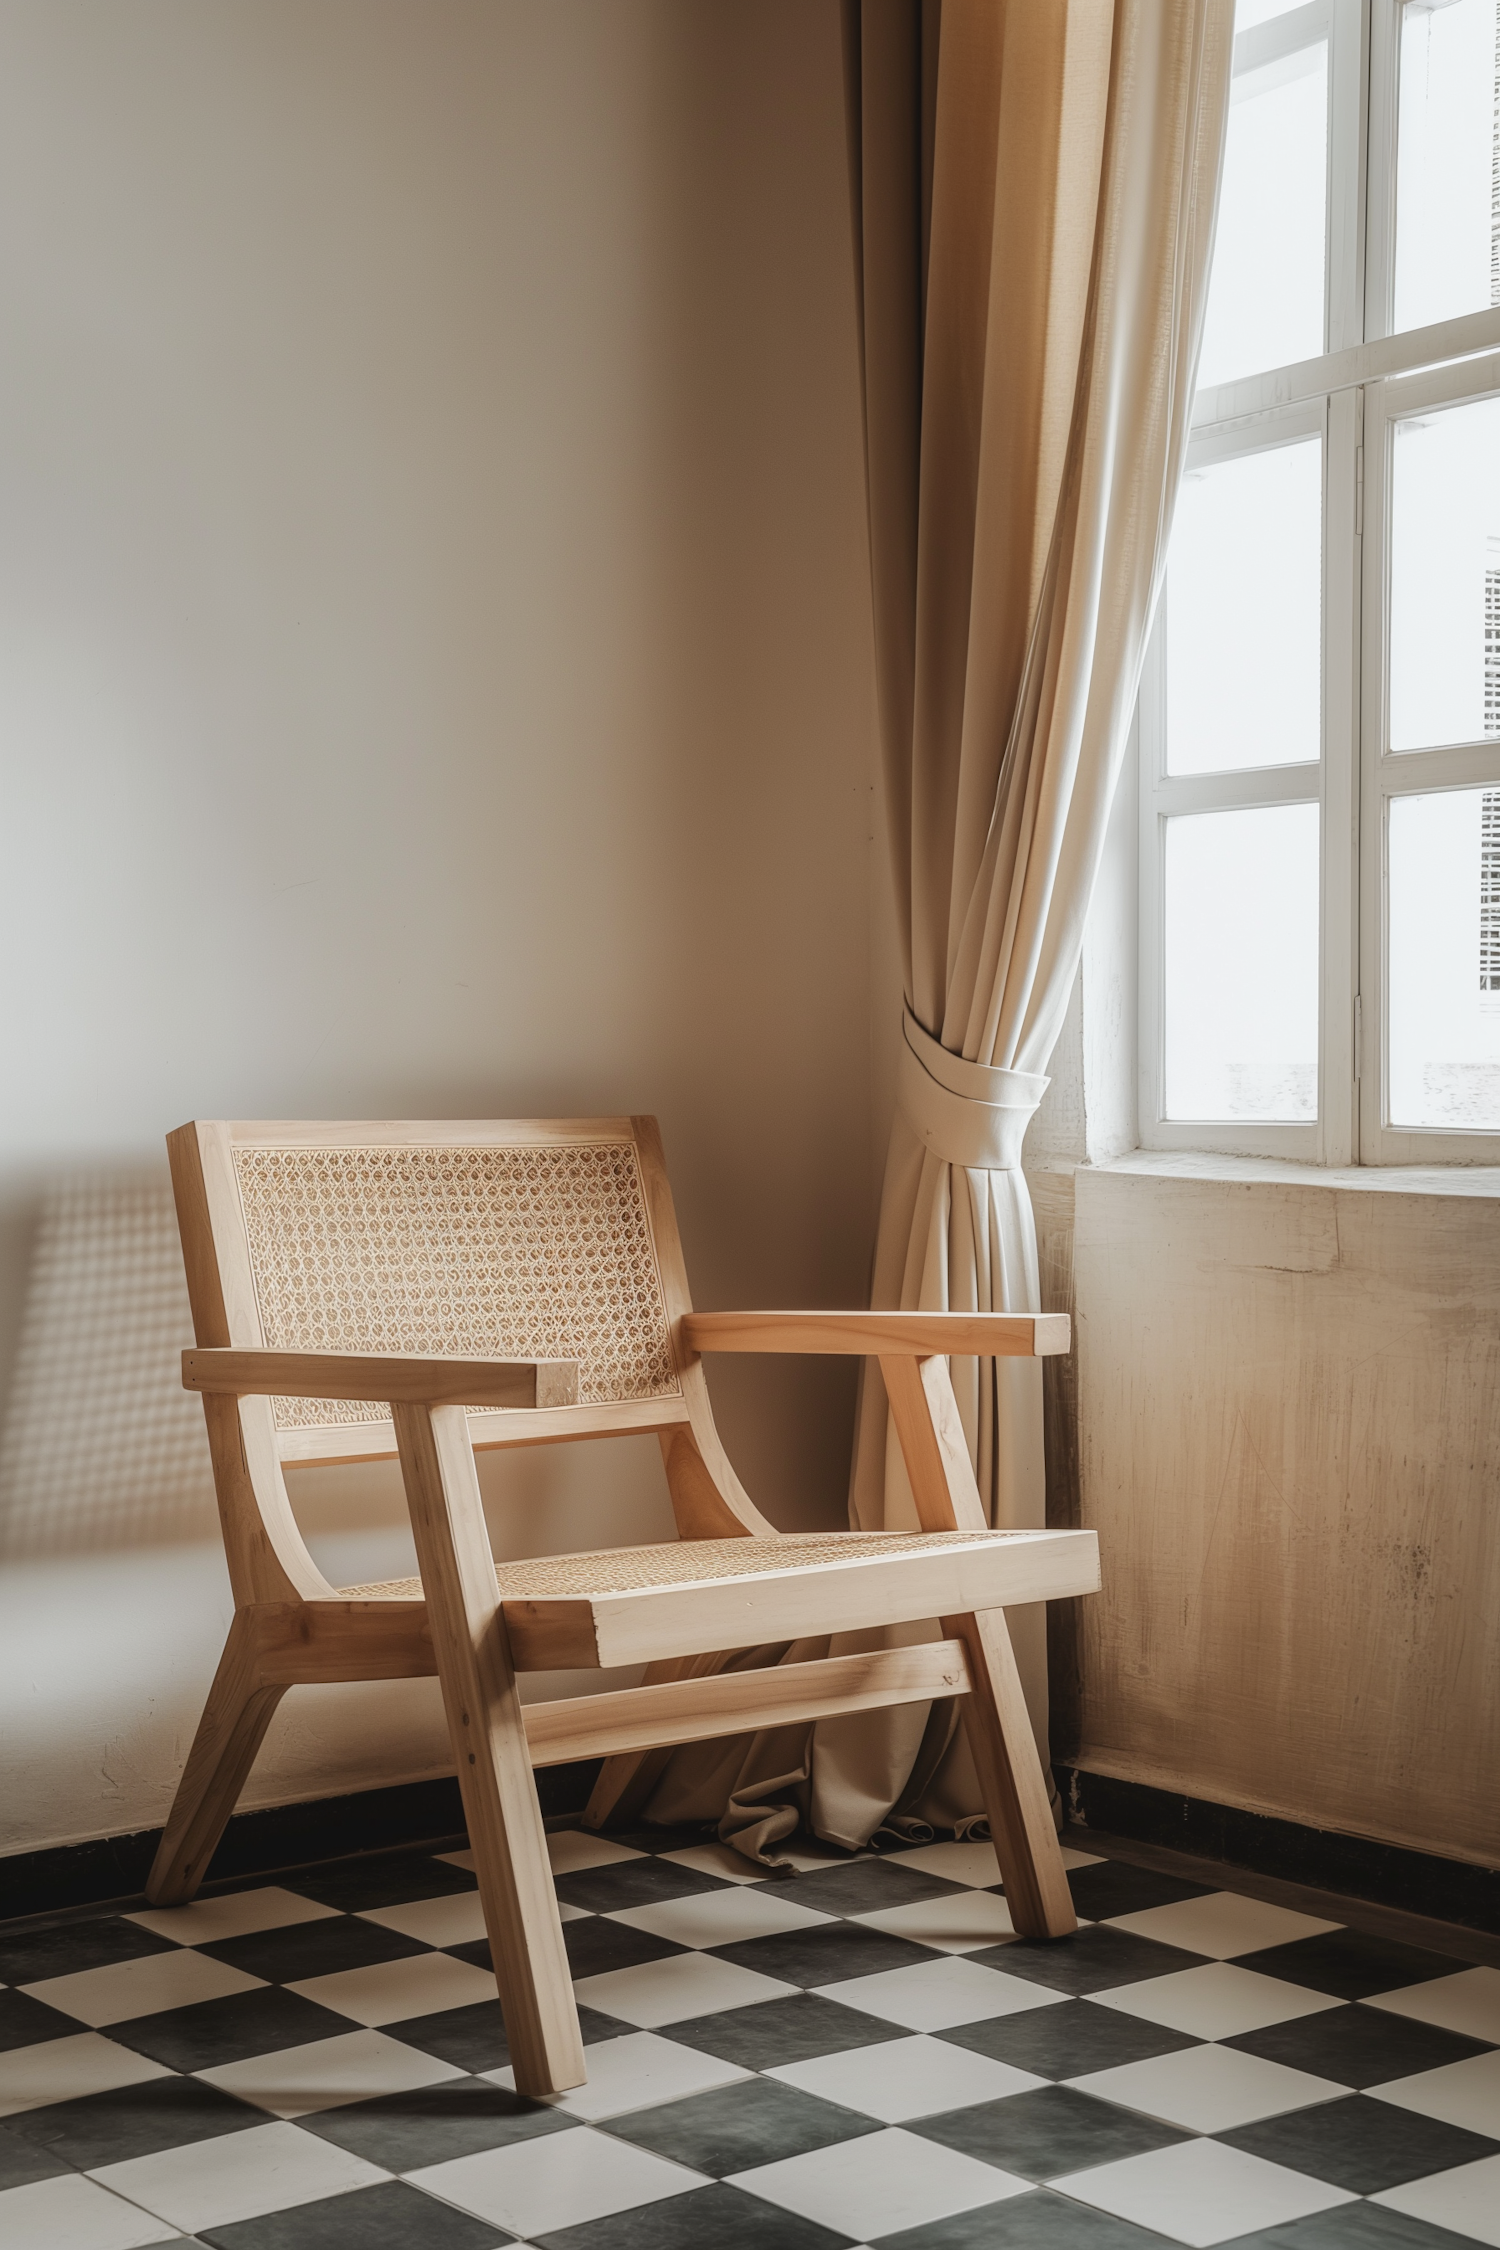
column 416, row 1379
column 881, row 1334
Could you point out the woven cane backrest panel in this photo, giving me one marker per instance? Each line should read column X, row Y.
column 539, row 1251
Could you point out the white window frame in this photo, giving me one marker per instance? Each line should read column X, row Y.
column 1363, row 382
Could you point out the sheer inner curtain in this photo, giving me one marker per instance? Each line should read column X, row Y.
column 1033, row 192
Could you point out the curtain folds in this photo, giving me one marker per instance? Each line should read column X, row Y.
column 1033, row 186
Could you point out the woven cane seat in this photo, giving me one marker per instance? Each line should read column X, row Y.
column 682, row 1562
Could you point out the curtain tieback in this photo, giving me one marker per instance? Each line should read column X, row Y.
column 966, row 1113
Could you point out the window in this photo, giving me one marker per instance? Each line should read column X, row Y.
column 1320, row 709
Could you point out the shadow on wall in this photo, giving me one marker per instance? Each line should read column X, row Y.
column 101, row 1445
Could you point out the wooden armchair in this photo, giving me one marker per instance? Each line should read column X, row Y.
column 425, row 1289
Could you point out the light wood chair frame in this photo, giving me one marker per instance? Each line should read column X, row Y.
column 291, row 1626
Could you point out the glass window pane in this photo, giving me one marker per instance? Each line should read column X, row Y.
column 1445, row 161
column 1244, row 580
column 1265, row 301
column 1242, row 964
column 1445, row 960
column 1445, row 576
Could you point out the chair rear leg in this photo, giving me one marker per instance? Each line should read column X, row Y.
column 1011, row 1780
column 238, row 1711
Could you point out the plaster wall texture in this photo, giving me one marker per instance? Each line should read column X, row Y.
column 1289, row 1444
column 435, row 681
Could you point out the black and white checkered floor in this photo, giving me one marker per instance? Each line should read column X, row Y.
column 864, row 2054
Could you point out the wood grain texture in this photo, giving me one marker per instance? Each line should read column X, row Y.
column 493, row 1430
column 862, row 1334
column 240, row 1707
column 489, row 1748
column 637, row 1625
column 422, row 1378
column 698, row 1708
column 1290, row 1448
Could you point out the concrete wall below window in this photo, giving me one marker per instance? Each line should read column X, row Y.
column 1289, row 1443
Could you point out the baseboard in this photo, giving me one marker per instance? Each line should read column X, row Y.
column 260, row 1843
column 1449, row 1890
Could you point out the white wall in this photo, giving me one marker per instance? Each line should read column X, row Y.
column 435, row 681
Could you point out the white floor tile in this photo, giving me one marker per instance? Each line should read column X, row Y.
column 238, row 2176
column 557, row 2180
column 1468, row 2002
column 637, row 2072
column 571, row 1850
column 880, row 2183
column 905, row 2078
column 1200, row 2192
column 125, row 1989
column 1217, row 2001
column 956, row 1863
column 393, row 1991
column 1070, row 1858
column 1221, row 1924
column 208, row 1921
column 721, row 1860
column 72, row 2213
column 457, row 1919
column 1461, row 2093
column 326, row 2073
column 59, row 2070
column 956, row 1924
column 936, row 1995
column 685, row 1984
column 1467, row 2200
column 1209, row 2089
column 723, row 1917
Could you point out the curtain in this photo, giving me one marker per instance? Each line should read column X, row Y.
column 1033, row 191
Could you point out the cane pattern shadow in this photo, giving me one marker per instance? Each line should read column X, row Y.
column 101, row 1446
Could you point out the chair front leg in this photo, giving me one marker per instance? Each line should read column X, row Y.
column 489, row 1748
column 995, row 1716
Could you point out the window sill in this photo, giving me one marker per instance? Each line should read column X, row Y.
column 1480, row 1181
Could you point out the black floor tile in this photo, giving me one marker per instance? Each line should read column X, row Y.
column 1351, row 2226
column 384, row 1879
column 430, row 2124
column 650, row 1838
column 770, row 2032
column 711, row 2218
column 866, row 1886
column 1040, row 2221
column 212, row 2032
column 1067, row 2041
column 600, row 1944
column 1090, row 1960
column 634, row 1882
column 1349, row 1964
column 1359, row 2144
column 1111, row 1887
column 592, row 1947
column 737, row 2127
column 134, row 2121
column 826, row 1956
column 314, row 1949
column 27, row 1956
column 1357, row 2046
column 22, row 2161
column 25, row 2022
column 1052, row 2130
column 474, row 2037
column 391, row 2216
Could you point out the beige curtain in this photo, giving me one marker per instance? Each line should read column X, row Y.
column 1034, row 185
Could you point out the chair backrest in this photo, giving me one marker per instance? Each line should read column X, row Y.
column 542, row 1238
